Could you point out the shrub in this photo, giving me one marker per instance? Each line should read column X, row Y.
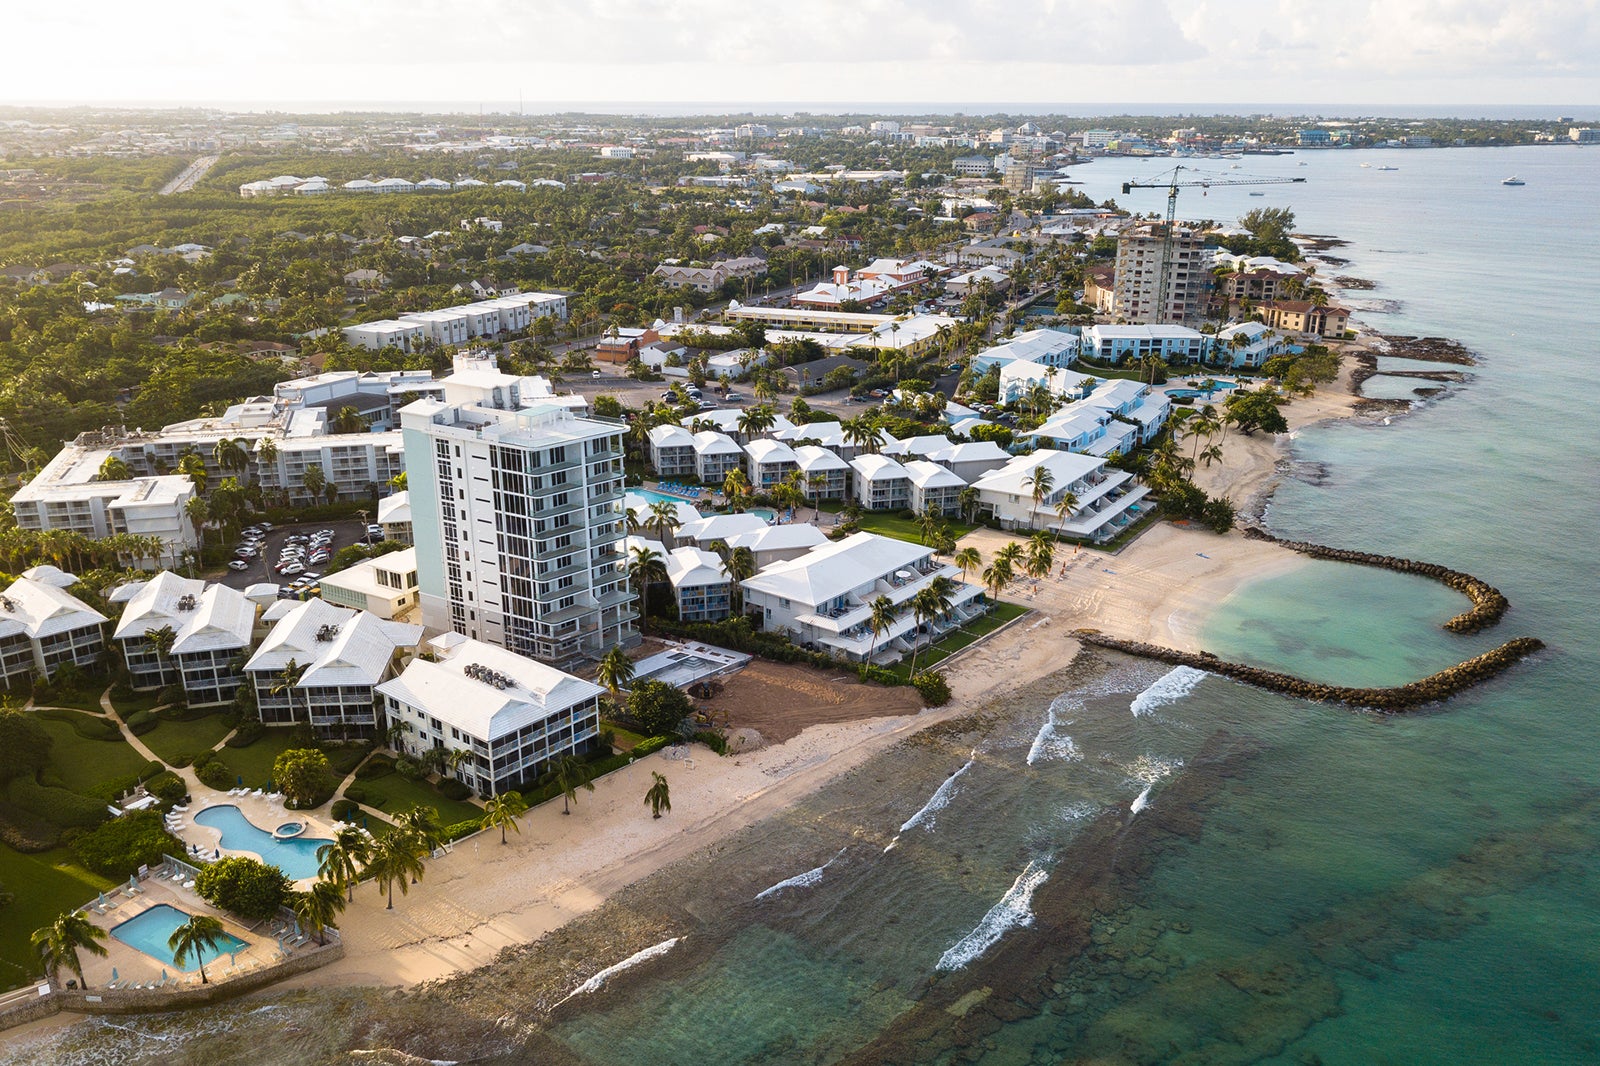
column 247, row 887
column 657, row 706
column 172, row 694
column 86, row 726
column 934, row 688
column 119, row 847
column 24, row 745
column 141, row 722
column 452, row 789
column 649, row 747
column 248, row 733
column 25, row 831
column 107, row 791
column 462, row 829
column 375, row 767
column 167, row 787
column 303, row 776
column 357, row 794
column 713, row 740
column 55, row 805
column 869, row 672
column 216, row 774
column 410, row 769
column 346, row 811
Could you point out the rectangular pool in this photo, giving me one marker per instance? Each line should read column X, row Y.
column 149, row 931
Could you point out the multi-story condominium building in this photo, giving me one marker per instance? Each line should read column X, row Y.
column 714, row 455
column 1106, row 500
column 1133, row 400
column 43, row 627
column 514, row 715
column 881, row 484
column 210, row 627
column 1019, row 378
column 672, row 451
column 824, row 597
column 321, row 664
column 1047, row 347
column 64, row 496
column 1170, row 343
column 768, row 462
column 934, row 488
column 774, row 544
column 707, row 531
column 505, row 314
column 394, row 515
column 1303, row 316
column 700, row 584
column 972, row 459
column 376, row 395
column 385, row 586
column 1248, row 344
column 1138, row 281
column 709, row 278
column 517, row 515
column 827, row 475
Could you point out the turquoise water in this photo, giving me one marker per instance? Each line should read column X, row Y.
column 1301, row 883
column 766, row 514
column 150, row 930
column 653, row 495
column 296, row 857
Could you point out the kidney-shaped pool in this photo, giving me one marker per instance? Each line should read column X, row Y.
column 296, row 856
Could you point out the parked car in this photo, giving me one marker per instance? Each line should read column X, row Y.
column 291, row 568
column 238, row 564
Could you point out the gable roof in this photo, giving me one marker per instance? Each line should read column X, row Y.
column 42, row 610
column 445, row 690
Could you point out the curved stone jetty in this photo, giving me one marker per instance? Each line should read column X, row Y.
column 1488, row 604
column 1431, row 689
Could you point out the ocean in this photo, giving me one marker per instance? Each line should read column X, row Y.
column 1125, row 863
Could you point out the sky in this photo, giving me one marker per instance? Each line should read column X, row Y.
column 748, row 52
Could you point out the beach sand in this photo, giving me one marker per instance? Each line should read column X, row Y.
column 485, row 896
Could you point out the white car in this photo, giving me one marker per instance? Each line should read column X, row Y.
column 238, row 564
column 288, row 569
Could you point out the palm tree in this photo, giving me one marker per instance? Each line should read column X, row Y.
column 1040, row 485
column 267, row 451
column 927, row 604
column 195, row 467
column 968, row 558
column 929, row 521
column 740, row 566
column 756, row 420
column 230, row 453
column 735, row 486
column 395, row 857
column 645, row 569
column 571, row 773
column 503, row 810
column 1041, row 554
column 1011, row 555
column 114, row 469
column 197, row 511
column 59, row 942
column 194, row 938
column 658, row 798
column 967, row 500
column 615, row 671
column 1211, row 453
column 348, row 420
column 342, row 860
column 286, row 681
column 318, row 908
column 161, row 640
column 860, row 432
column 314, row 481
column 1064, row 506
column 664, row 514
column 422, row 823
column 884, row 613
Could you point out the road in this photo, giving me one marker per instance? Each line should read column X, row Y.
column 191, row 174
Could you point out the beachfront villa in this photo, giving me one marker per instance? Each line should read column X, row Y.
column 513, row 714
column 1019, row 378
column 1248, row 344
column 776, row 543
column 321, row 664
column 672, row 451
column 970, row 460
column 768, row 462
column 209, row 626
column 700, row 584
column 822, row 598
column 43, row 627
column 1107, row 499
column 1133, row 400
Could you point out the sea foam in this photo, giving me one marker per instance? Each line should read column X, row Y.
column 940, row 798
column 1141, row 801
column 1050, row 743
column 1169, row 688
column 805, row 880
column 595, row 983
column 1014, row 910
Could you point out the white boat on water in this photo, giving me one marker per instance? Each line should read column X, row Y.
column 1513, row 181
column 1388, row 168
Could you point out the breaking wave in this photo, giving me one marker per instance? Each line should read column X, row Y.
column 595, row 983
column 805, row 880
column 940, row 798
column 1014, row 910
column 1169, row 688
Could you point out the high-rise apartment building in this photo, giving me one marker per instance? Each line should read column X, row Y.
column 1138, row 295
column 517, row 516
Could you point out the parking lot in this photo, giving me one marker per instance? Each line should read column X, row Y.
column 262, row 567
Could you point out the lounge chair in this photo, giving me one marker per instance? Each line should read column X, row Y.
column 180, row 808
column 258, row 793
column 189, row 885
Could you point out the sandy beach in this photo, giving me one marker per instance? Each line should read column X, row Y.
column 485, row 896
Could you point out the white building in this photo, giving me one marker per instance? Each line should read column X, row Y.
column 516, row 716
column 1046, row 347
column 700, row 584
column 823, row 598
column 707, row 531
column 385, row 586
column 507, row 313
column 321, row 664
column 971, row 460
column 715, row 454
column 768, row 462
column 210, row 627
column 65, row 495
column 672, row 451
column 43, row 627
column 1248, row 344
column 1171, row 343
column 394, row 515
column 517, row 516
column 934, row 488
column 1133, row 400
column 774, row 544
column 1105, row 501
column 827, row 475
column 881, row 484
column 1019, row 378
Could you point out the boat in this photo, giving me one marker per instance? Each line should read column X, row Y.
column 1258, row 194
column 1366, row 164
column 1300, row 164
column 1513, row 181
column 1388, row 168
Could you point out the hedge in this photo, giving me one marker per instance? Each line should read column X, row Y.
column 141, row 722
column 168, row 787
column 345, row 810
column 25, row 831
column 462, row 829
column 119, row 847
column 375, row 767
column 343, row 758
column 56, row 805
column 86, row 726
column 356, row 794
column 109, row 791
column 649, row 747
column 452, row 789
column 249, row 731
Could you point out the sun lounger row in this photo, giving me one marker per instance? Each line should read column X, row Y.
column 672, row 488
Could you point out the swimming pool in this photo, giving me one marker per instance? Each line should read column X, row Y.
column 149, row 931
column 764, row 514
column 296, row 857
column 654, row 496
column 1221, row 386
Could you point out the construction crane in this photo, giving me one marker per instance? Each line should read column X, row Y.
column 1172, row 185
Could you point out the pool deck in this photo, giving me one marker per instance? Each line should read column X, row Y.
column 134, row 967
column 266, row 814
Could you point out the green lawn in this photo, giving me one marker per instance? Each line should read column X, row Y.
column 393, row 794
column 135, row 701
column 954, row 641
column 907, row 529
column 83, row 764
column 254, row 763
column 84, row 699
column 45, row 884
column 172, row 738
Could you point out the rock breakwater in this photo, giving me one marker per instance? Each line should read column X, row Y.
column 1431, row 689
column 1489, row 605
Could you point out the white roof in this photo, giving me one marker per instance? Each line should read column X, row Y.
column 710, row 442
column 720, row 527
column 769, row 451
column 1159, row 331
column 1116, row 392
column 926, row 475
column 689, row 566
column 1072, row 421
column 634, row 542
column 815, row 459
column 394, row 508
column 923, row 445
column 1014, row 478
column 355, row 649
column 972, row 451
column 522, row 691
column 42, row 610
column 157, row 605
column 223, row 621
column 668, row 435
column 785, row 537
column 836, row 568
column 46, row 574
column 875, row 467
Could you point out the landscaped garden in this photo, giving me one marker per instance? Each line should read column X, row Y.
column 393, row 793
column 891, row 524
column 178, row 742
column 959, row 638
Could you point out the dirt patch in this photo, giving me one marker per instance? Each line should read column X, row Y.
column 778, row 700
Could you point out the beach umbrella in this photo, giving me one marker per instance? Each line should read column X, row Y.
column 133, row 881
column 114, row 976
column 164, row 977
column 103, row 900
